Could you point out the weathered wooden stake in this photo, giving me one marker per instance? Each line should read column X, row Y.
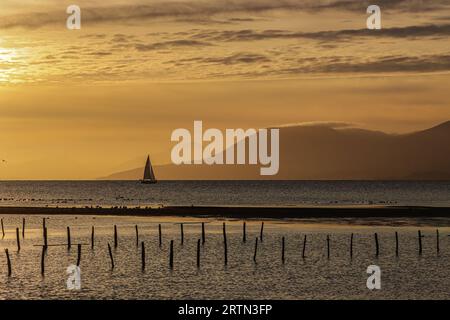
column 256, row 249
column 69, row 242
column 45, row 237
column 198, row 253
column 171, row 255
column 182, row 233
column 396, row 243
column 143, row 255
column 351, row 245
column 92, row 237
column 225, row 248
column 8, row 262
column 244, row 236
column 18, row 239
column 304, row 247
column 23, row 228
column 115, row 236
column 137, row 236
column 3, row 229
column 79, row 255
column 43, row 229
column 111, row 257
column 437, row 240
column 43, row 260
column 261, row 232
column 377, row 248
column 203, row 233
column 282, row 249
column 420, row 241
column 328, row 246
column 160, row 235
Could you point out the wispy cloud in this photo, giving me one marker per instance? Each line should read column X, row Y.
column 237, row 58
column 389, row 64
column 171, row 44
column 253, row 35
column 202, row 8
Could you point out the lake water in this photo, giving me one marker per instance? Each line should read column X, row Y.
column 408, row 276
column 253, row 193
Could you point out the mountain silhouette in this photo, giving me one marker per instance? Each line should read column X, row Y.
column 334, row 152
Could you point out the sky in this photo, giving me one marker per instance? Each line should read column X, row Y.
column 81, row 104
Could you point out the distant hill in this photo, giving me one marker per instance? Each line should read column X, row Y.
column 333, row 152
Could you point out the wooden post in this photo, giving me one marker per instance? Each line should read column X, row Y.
column 69, row 242
column 328, row 246
column 43, row 260
column 198, row 253
column 304, row 247
column 377, row 248
column 137, row 236
column 261, row 232
column 92, row 237
column 437, row 240
column 18, row 239
column 244, row 238
column 115, row 236
column 79, row 255
column 203, row 233
column 143, row 255
column 420, row 241
column 45, row 237
column 225, row 248
column 23, row 228
column 256, row 249
column 171, row 255
column 8, row 262
column 182, row 233
column 282, row 249
column 3, row 229
column 396, row 243
column 160, row 235
column 111, row 256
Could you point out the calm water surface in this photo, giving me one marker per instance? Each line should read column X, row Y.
column 258, row 193
column 409, row 276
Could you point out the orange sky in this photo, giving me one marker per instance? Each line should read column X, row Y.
column 82, row 104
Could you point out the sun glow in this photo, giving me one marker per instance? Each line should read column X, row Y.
column 7, row 59
column 7, row 54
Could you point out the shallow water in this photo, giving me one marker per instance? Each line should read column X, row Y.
column 410, row 276
column 258, row 193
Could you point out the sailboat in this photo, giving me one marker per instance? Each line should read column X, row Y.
column 149, row 175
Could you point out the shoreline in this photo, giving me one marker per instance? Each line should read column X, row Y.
column 244, row 212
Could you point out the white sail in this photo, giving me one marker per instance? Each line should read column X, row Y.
column 149, row 175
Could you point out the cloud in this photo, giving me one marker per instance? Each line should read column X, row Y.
column 171, row 44
column 321, row 124
column 237, row 58
column 350, row 65
column 387, row 64
column 205, row 8
column 252, row 35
